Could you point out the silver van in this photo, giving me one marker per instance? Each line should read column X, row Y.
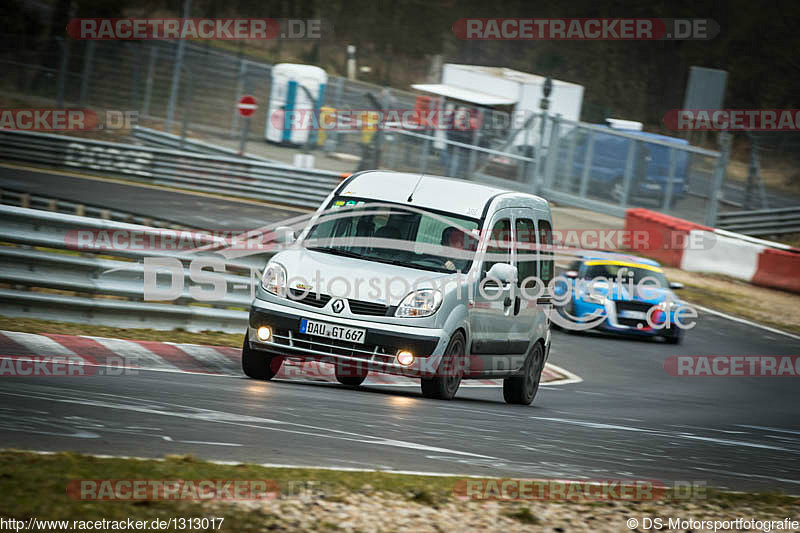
column 423, row 276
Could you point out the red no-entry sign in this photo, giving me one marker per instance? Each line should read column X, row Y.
column 247, row 105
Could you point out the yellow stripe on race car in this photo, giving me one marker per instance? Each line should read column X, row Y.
column 624, row 264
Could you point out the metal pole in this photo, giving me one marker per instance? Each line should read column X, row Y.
column 62, row 72
column 569, row 171
column 424, row 160
column 537, row 162
column 137, row 76
column 552, row 159
column 673, row 160
column 148, row 87
column 177, row 67
column 239, row 93
column 88, row 59
column 626, row 180
column 587, row 165
column 333, row 135
column 717, row 180
column 187, row 103
column 246, row 125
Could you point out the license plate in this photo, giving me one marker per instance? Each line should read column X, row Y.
column 332, row 331
column 633, row 314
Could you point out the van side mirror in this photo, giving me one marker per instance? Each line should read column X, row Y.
column 503, row 272
column 284, row 235
column 571, row 274
column 674, row 285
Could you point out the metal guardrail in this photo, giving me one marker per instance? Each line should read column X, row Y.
column 45, row 275
column 162, row 139
column 761, row 222
column 240, row 177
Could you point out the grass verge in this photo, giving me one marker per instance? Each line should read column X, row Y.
column 35, row 325
column 766, row 306
column 35, row 485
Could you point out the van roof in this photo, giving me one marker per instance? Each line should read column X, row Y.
column 452, row 195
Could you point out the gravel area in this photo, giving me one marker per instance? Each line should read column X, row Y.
column 372, row 511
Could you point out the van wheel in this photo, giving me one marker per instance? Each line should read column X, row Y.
column 448, row 376
column 350, row 375
column 522, row 389
column 259, row 365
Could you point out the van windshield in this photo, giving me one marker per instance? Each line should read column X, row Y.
column 395, row 234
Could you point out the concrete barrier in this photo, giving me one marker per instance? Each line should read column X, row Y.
column 696, row 248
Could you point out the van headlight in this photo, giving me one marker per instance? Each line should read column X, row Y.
column 274, row 279
column 423, row 302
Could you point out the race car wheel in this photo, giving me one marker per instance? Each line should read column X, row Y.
column 350, row 375
column 673, row 336
column 522, row 389
column 448, row 376
column 259, row 365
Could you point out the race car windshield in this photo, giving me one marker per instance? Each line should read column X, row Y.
column 389, row 233
column 611, row 271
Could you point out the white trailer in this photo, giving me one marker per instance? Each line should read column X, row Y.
column 509, row 90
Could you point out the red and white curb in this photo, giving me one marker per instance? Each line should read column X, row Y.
column 193, row 358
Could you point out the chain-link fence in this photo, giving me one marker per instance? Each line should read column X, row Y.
column 181, row 86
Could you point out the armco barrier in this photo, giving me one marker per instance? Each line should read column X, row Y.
column 696, row 248
column 100, row 284
column 234, row 176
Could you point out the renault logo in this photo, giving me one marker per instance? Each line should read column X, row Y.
column 337, row 306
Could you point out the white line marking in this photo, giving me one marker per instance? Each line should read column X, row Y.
column 570, row 377
column 140, row 405
column 743, row 321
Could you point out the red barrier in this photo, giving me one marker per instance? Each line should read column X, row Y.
column 779, row 269
column 668, row 234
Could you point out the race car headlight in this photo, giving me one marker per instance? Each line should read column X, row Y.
column 424, row 302
column 595, row 298
column 666, row 306
column 274, row 279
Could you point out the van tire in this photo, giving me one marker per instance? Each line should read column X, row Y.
column 522, row 389
column 257, row 364
column 448, row 376
column 349, row 375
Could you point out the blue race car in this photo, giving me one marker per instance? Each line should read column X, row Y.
column 605, row 292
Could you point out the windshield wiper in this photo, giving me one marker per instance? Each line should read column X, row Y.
column 336, row 251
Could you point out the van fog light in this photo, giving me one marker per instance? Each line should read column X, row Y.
column 405, row 358
column 264, row 333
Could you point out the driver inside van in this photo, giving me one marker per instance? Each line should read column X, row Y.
column 453, row 237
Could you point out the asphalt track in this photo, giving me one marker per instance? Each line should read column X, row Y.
column 628, row 419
